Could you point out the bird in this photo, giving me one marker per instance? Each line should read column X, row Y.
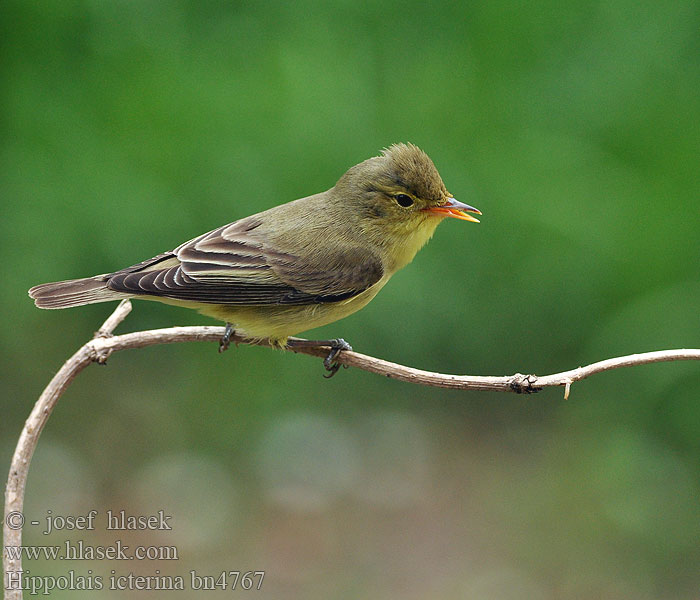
column 296, row 266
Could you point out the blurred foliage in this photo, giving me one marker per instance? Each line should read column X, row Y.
column 129, row 127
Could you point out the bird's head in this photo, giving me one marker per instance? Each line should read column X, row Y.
column 400, row 197
column 402, row 185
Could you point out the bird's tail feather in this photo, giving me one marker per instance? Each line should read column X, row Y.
column 74, row 292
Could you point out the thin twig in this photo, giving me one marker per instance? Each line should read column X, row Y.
column 104, row 343
column 28, row 439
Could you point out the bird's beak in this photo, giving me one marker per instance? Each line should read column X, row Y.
column 456, row 209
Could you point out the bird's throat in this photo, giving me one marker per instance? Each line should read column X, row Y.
column 408, row 245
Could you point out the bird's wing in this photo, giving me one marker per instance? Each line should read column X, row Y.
column 233, row 265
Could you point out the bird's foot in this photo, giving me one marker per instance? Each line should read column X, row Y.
column 225, row 340
column 336, row 345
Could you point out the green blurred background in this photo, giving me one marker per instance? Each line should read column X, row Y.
column 129, row 127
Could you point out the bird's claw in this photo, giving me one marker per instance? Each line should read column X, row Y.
column 225, row 340
column 337, row 346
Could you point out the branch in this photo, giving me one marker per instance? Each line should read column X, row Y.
column 104, row 343
column 19, row 467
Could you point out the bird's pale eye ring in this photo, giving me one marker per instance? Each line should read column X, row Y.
column 403, row 200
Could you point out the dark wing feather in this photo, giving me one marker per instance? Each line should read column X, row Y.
column 232, row 265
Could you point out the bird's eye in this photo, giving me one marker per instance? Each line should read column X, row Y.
column 403, row 200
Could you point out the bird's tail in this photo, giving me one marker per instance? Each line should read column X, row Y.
column 74, row 292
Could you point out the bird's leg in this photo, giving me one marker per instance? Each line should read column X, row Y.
column 336, row 345
column 225, row 340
